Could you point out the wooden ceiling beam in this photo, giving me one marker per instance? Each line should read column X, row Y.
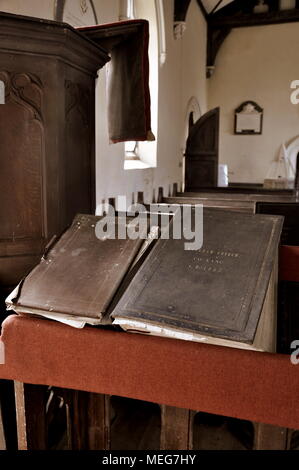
column 181, row 9
column 203, row 10
column 215, row 7
column 219, row 27
column 215, row 41
column 255, row 19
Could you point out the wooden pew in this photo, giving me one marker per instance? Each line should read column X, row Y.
column 244, row 202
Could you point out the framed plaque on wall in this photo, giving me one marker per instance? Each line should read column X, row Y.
column 76, row 12
column 248, row 118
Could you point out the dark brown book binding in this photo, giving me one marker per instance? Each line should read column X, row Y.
column 217, row 291
column 79, row 275
column 223, row 293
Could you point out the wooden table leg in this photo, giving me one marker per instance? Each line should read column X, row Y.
column 99, row 437
column 268, row 437
column 2, row 435
column 76, row 403
column 8, row 413
column 88, row 420
column 31, row 416
column 176, row 428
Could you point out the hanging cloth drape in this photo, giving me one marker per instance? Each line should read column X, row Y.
column 129, row 115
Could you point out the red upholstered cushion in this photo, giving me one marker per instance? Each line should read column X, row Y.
column 256, row 386
column 289, row 263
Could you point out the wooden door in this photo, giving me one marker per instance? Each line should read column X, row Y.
column 202, row 152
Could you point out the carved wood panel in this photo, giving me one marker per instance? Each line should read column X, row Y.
column 46, row 136
column 21, row 157
column 78, row 170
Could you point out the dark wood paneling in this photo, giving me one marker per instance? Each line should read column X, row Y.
column 176, row 428
column 268, row 437
column 78, row 165
column 22, row 152
column 288, row 319
column 200, row 172
column 290, row 211
column 47, row 167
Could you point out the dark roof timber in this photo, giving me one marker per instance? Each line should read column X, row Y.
column 181, row 9
column 239, row 14
column 203, row 10
column 237, row 7
column 255, row 19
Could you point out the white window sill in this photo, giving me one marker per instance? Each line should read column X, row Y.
column 135, row 165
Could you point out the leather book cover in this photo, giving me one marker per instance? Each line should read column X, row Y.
column 79, row 274
column 218, row 290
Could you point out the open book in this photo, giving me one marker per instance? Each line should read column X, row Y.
column 81, row 272
column 222, row 293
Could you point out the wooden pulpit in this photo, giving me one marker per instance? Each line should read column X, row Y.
column 47, row 133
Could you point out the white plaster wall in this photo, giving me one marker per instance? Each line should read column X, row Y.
column 37, row 8
column 256, row 63
column 181, row 77
column 193, row 68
